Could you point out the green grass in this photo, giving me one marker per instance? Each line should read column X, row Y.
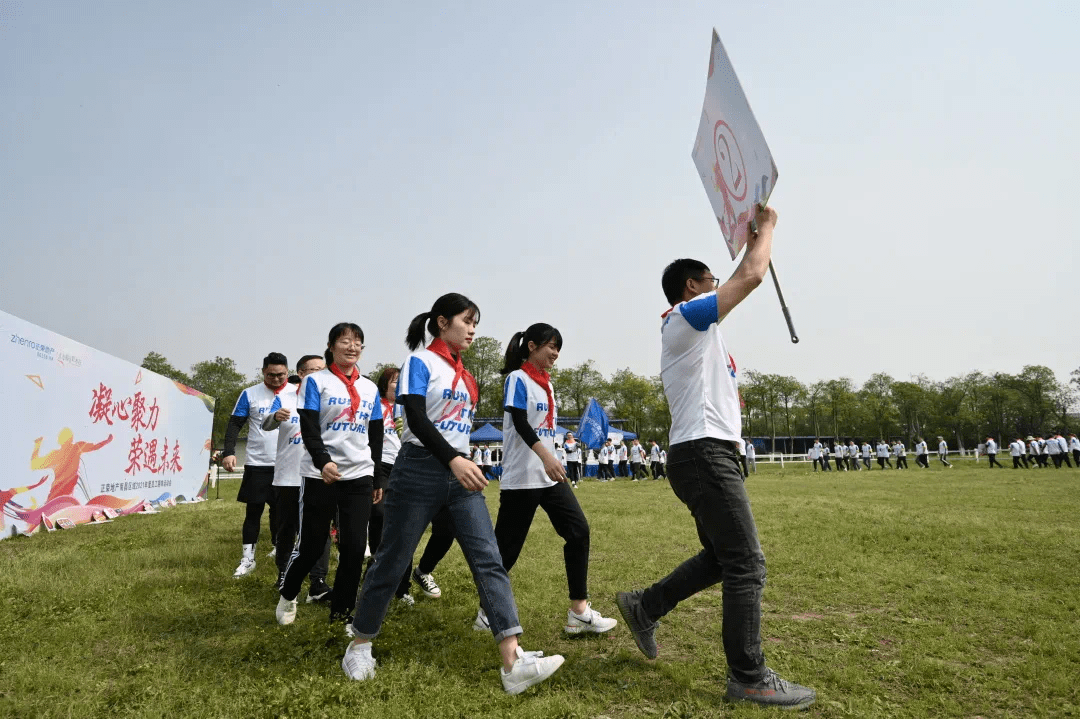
column 941, row 593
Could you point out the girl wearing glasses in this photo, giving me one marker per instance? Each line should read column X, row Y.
column 341, row 424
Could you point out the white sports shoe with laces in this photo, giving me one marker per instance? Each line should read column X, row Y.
column 529, row 670
column 590, row 621
column 358, row 662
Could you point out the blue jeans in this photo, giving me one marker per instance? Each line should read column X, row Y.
column 705, row 475
column 419, row 487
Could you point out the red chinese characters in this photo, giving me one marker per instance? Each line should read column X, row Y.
column 143, row 456
column 129, row 409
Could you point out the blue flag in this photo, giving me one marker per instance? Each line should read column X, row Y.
column 593, row 431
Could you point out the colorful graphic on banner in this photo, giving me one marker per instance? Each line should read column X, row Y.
column 93, row 435
column 730, row 152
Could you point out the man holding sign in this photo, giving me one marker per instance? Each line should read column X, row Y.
column 699, row 377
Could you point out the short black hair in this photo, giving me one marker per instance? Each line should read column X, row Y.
column 675, row 276
column 305, row 359
column 274, row 358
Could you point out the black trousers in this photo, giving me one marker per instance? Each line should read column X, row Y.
column 1076, row 457
column 1065, row 459
column 374, row 533
column 573, row 471
column 638, row 470
column 943, row 460
column 1057, row 460
column 922, row 460
column 1017, row 464
column 439, row 543
column 350, row 499
column 839, row 463
column 516, row 510
column 622, row 468
column 993, row 460
column 288, row 509
column 654, row 467
column 705, row 476
column 256, row 490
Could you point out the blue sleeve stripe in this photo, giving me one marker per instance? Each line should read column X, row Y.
column 521, row 396
column 701, row 312
column 312, row 397
column 276, row 405
column 242, row 408
column 419, row 375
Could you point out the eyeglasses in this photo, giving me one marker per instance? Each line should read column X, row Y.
column 350, row 343
column 715, row 281
column 277, row 374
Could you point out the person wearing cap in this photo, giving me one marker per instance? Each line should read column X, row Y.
column 991, row 452
column 573, row 459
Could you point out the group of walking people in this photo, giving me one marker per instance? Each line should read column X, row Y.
column 855, row 457
column 407, row 451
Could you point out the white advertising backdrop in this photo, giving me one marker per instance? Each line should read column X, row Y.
column 91, row 435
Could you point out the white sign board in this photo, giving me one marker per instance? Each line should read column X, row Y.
column 730, row 152
column 91, row 434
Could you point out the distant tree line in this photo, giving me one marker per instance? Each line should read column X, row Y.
column 964, row 409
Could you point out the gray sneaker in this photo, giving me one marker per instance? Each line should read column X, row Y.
column 641, row 627
column 771, row 691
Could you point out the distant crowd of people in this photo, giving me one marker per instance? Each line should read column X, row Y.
column 1035, row 450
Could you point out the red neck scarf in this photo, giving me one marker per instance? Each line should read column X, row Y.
column 350, row 384
column 443, row 350
column 544, row 380
column 278, row 390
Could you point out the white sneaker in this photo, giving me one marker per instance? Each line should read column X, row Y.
column 247, row 566
column 590, row 621
column 286, row 611
column 272, row 553
column 481, row 623
column 407, row 601
column 358, row 662
column 529, row 670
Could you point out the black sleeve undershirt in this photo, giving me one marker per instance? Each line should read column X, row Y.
column 522, row 426
column 232, row 431
column 311, row 433
column 375, row 442
column 416, row 415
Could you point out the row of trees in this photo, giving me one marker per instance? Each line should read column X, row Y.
column 965, row 409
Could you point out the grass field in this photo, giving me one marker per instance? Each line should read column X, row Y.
column 940, row 593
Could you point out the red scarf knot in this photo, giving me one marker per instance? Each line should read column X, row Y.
column 350, row 384
column 543, row 379
column 443, row 350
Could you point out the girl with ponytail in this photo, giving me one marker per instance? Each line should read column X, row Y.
column 433, row 471
column 533, row 478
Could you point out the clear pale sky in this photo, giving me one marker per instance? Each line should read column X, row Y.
column 208, row 178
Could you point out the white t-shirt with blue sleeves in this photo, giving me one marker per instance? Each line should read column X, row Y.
column 522, row 469
column 254, row 403
column 290, row 445
column 391, row 443
column 427, row 374
column 347, row 442
column 699, row 374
